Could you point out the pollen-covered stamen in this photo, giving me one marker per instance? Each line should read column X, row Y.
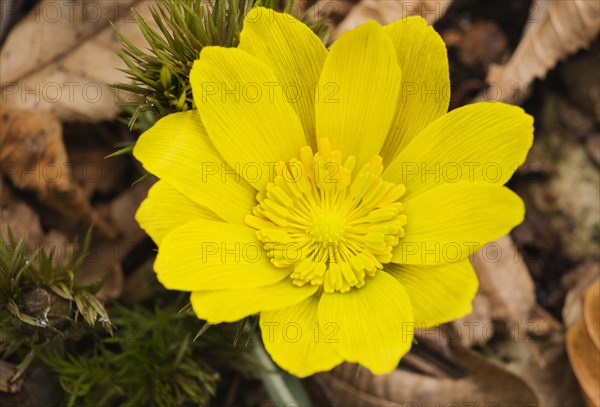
column 330, row 228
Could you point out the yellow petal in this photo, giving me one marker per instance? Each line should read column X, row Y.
column 297, row 341
column 450, row 222
column 358, row 90
column 206, row 255
column 375, row 322
column 232, row 305
column 482, row 142
column 294, row 53
column 425, row 91
column 438, row 294
column 249, row 122
column 178, row 150
column 165, row 209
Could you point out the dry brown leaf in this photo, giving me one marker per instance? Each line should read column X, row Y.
column 388, row 11
column 544, row 365
column 61, row 58
column 472, row 379
column 565, row 27
column 583, row 352
column 34, row 159
column 505, row 280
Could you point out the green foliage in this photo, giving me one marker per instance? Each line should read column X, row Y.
column 152, row 360
column 41, row 303
column 160, row 76
column 39, row 298
column 161, row 356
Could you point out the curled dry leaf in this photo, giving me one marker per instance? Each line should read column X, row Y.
column 61, row 58
column 34, row 159
column 450, row 375
column 566, row 27
column 388, row 11
column 582, row 347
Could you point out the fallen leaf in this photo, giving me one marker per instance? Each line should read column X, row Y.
column 544, row 365
column 583, row 352
column 70, row 58
column 470, row 378
column 388, row 11
column 565, row 27
column 34, row 159
column 505, row 280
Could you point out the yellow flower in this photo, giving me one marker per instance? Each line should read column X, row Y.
column 329, row 190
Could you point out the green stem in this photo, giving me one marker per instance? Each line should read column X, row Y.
column 283, row 388
column 21, row 367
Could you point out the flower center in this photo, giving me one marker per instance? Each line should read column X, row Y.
column 331, row 228
column 327, row 226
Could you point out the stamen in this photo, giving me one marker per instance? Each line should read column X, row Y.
column 330, row 229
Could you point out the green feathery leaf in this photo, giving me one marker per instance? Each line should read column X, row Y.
column 160, row 75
